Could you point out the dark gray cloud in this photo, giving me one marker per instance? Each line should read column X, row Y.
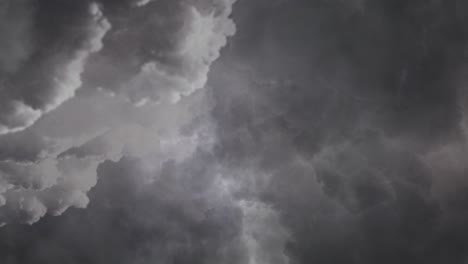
column 356, row 113
column 181, row 214
column 173, row 221
column 329, row 132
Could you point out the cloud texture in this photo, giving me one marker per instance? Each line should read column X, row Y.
column 38, row 78
column 50, row 49
column 328, row 132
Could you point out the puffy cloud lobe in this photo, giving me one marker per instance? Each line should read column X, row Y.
column 62, row 180
column 31, row 190
column 183, row 211
column 40, row 69
column 39, row 80
column 30, row 175
column 45, row 171
column 199, row 48
column 181, row 39
column 168, row 219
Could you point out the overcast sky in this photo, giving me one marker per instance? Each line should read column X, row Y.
column 233, row 132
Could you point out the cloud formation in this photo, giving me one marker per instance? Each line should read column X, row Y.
column 56, row 55
column 328, row 132
column 178, row 41
column 37, row 79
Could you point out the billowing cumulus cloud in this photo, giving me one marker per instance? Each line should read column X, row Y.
column 36, row 79
column 327, row 132
column 169, row 54
column 53, row 49
column 178, row 41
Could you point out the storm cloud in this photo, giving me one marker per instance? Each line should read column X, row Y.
column 51, row 50
column 326, row 131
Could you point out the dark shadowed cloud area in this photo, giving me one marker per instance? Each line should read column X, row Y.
column 233, row 132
